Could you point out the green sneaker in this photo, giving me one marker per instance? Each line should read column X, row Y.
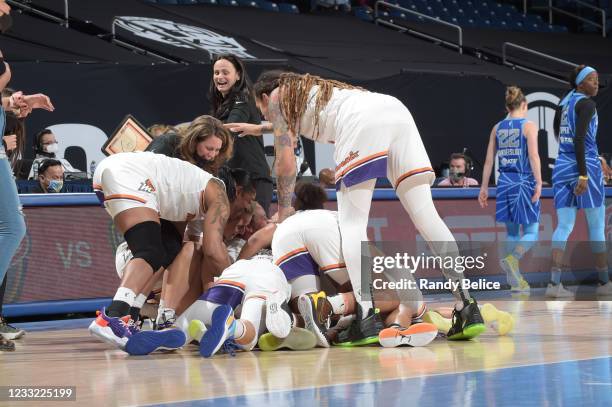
column 10, row 332
column 298, row 339
column 362, row 331
column 467, row 323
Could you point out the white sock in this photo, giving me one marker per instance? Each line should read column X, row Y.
column 126, row 295
column 139, row 301
column 337, row 303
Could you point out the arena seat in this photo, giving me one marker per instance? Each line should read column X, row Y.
column 288, row 8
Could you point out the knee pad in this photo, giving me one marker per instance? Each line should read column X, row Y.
column 145, row 242
column 171, row 239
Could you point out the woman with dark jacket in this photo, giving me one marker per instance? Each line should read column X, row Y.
column 232, row 101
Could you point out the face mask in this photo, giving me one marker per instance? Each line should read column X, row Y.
column 55, row 186
column 456, row 176
column 52, row 148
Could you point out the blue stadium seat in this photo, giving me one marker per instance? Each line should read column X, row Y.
column 167, row 2
column 361, row 13
column 208, row 2
column 248, row 3
column 231, row 3
column 269, row 6
column 187, row 2
column 559, row 28
column 289, row 8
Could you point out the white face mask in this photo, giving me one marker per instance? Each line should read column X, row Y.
column 52, row 148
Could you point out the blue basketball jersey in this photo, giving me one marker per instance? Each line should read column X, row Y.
column 512, row 154
column 565, row 174
column 516, row 183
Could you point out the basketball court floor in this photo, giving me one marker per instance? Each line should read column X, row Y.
column 559, row 354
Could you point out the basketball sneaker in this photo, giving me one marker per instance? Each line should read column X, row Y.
column 602, row 289
column 316, row 309
column 500, row 321
column 557, row 291
column 146, row 342
column 467, row 323
column 111, row 330
column 362, row 331
column 221, row 331
column 510, row 265
column 419, row 334
column 278, row 315
column 298, row 339
column 443, row 324
column 8, row 331
column 196, row 329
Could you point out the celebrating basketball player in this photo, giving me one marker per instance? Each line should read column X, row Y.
column 374, row 136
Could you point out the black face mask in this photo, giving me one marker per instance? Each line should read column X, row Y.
column 6, row 21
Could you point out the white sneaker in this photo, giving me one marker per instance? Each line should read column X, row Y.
column 557, row 291
column 604, row 289
column 278, row 320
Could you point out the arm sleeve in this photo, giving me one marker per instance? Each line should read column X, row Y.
column 557, row 121
column 585, row 109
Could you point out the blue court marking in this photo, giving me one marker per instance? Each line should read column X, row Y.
column 572, row 383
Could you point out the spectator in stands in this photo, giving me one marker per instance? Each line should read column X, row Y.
column 12, row 224
column 459, row 172
column 46, row 146
column 205, row 143
column 231, row 97
column 50, row 177
column 326, row 178
column 157, row 130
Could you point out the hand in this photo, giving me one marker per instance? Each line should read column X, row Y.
column 10, row 141
column 39, row 101
column 4, row 8
column 581, row 186
column 483, row 197
column 245, row 129
column 536, row 193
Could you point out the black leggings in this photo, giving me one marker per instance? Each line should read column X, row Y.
column 264, row 189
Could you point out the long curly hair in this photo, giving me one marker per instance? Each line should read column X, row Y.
column 200, row 129
column 295, row 89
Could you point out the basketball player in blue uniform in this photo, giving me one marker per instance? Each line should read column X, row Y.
column 578, row 178
column 515, row 140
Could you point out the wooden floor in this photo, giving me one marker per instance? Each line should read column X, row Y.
column 546, row 333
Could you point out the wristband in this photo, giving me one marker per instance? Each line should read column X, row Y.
column 583, row 177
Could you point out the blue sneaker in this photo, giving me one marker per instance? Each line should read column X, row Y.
column 145, row 342
column 221, row 331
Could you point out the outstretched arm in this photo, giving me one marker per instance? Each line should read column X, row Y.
column 488, row 167
column 217, row 209
column 284, row 163
column 258, row 240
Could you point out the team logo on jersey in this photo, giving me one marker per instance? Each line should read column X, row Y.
column 182, row 35
column 147, row 186
column 352, row 155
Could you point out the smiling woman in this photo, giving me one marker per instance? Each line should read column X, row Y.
column 232, row 101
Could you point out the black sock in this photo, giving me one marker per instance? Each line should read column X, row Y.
column 118, row 309
column 135, row 314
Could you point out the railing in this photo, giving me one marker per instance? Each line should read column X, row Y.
column 552, row 8
column 32, row 10
column 378, row 20
column 507, row 45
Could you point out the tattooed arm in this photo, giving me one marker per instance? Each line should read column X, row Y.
column 284, row 164
column 217, row 210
